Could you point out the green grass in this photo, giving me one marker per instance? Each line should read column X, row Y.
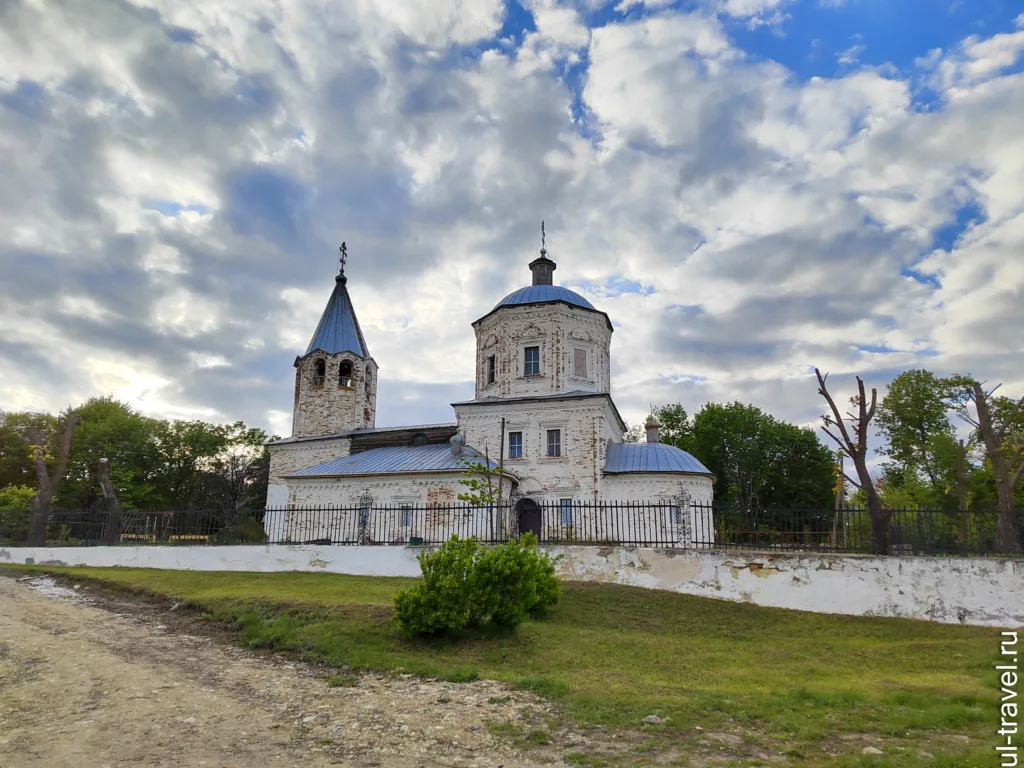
column 611, row 655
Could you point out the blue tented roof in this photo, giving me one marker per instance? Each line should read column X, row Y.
column 538, row 294
column 339, row 330
column 650, row 457
column 436, row 457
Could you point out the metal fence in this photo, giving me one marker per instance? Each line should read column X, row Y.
column 646, row 524
column 910, row 531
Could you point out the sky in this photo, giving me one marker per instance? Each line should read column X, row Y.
column 749, row 189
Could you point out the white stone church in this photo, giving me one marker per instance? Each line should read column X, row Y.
column 543, row 413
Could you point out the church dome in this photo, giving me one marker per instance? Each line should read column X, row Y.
column 651, row 457
column 541, row 294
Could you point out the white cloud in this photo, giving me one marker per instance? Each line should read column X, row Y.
column 777, row 221
column 851, row 55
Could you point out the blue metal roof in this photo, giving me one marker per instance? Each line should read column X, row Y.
column 538, row 294
column 436, row 457
column 651, row 457
column 338, row 330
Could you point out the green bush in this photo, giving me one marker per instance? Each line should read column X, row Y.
column 464, row 585
column 440, row 602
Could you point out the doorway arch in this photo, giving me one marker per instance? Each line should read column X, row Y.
column 528, row 517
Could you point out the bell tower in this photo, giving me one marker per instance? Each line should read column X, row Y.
column 336, row 379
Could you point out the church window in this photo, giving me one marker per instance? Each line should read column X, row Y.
column 531, row 365
column 554, row 442
column 420, row 438
column 565, row 508
column 674, row 515
column 579, row 363
column 407, row 515
column 345, row 374
column 369, row 378
column 490, row 369
column 319, row 373
column 515, row 445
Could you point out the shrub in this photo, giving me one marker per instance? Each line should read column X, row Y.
column 440, row 602
column 464, row 585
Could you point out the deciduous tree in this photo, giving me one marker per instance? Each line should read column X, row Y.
column 998, row 423
column 50, row 468
column 856, row 447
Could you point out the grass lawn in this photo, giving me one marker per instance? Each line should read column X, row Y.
column 790, row 683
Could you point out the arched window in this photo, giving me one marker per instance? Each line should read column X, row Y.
column 369, row 378
column 319, row 373
column 345, row 374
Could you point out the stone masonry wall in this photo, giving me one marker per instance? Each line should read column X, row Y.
column 585, row 424
column 289, row 457
column 557, row 329
column 329, row 408
column 438, row 492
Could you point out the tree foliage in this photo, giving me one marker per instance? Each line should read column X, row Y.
column 914, row 421
column 152, row 463
column 758, row 461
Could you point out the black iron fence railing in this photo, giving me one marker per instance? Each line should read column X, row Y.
column 643, row 524
column 910, row 531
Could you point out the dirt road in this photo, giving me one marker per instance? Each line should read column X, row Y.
column 86, row 684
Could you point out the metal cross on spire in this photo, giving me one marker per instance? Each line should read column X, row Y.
column 543, row 239
column 344, row 258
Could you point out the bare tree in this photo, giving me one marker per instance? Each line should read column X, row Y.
column 112, row 530
column 857, row 449
column 49, row 482
column 1007, row 460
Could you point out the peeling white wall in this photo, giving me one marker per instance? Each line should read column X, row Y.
column 979, row 591
column 354, row 560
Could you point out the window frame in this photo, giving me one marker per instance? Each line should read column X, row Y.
column 491, row 371
column 566, row 505
column 526, row 351
column 522, row 444
column 557, row 432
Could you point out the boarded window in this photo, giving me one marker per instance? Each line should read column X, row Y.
column 490, row 369
column 579, row 363
column 531, row 365
column 554, row 442
column 515, row 445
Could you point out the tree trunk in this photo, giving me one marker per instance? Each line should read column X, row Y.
column 112, row 528
column 856, row 448
column 1006, row 528
column 880, row 519
column 37, row 523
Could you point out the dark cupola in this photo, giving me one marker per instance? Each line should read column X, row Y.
column 542, row 267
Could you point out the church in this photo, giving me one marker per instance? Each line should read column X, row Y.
column 542, row 415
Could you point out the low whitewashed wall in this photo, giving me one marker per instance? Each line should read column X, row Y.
column 984, row 592
column 357, row 561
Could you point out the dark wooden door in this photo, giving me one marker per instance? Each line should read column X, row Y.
column 528, row 512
